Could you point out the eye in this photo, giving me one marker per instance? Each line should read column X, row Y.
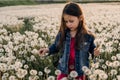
column 71, row 21
column 66, row 21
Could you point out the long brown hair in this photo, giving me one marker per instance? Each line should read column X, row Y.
column 75, row 10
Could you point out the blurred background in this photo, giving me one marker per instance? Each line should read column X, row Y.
column 29, row 2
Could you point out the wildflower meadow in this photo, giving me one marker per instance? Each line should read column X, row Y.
column 25, row 29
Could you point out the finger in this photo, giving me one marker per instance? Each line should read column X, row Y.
column 95, row 48
column 96, row 52
column 44, row 53
column 41, row 51
column 41, row 54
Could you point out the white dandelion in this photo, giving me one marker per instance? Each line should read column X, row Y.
column 33, row 72
column 57, row 72
column 51, row 78
column 73, row 74
column 40, row 73
column 46, row 70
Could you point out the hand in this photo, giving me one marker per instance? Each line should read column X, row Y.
column 43, row 51
column 96, row 51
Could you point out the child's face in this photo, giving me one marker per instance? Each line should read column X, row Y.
column 71, row 22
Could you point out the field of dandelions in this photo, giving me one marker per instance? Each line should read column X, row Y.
column 25, row 29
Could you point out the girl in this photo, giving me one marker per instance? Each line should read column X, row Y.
column 74, row 42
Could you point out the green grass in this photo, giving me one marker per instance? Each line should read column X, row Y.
column 16, row 2
column 26, row 2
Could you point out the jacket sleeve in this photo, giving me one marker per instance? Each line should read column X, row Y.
column 53, row 48
column 92, row 46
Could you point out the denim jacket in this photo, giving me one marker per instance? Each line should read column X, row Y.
column 81, row 56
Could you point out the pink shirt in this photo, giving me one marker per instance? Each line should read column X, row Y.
column 72, row 55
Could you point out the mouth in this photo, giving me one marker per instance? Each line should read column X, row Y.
column 71, row 28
